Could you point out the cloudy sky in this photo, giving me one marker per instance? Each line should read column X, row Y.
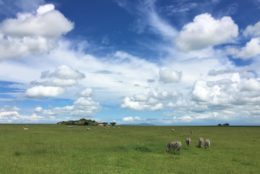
column 130, row 61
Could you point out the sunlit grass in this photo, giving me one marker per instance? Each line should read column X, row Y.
column 126, row 149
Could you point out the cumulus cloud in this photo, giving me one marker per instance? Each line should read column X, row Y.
column 11, row 47
column 232, row 96
column 252, row 30
column 251, row 85
column 13, row 115
column 169, row 76
column 38, row 109
column 215, row 72
column 249, row 51
column 140, row 103
column 213, row 93
column 86, row 92
column 63, row 72
column 46, row 22
column 131, row 119
column 83, row 106
column 151, row 100
column 7, row 114
column 45, row 9
column 62, row 76
column 55, row 82
column 206, row 31
column 44, row 91
column 32, row 33
column 59, row 82
column 231, row 91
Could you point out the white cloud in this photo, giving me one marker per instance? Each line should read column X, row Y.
column 44, row 91
column 205, row 31
column 160, row 25
column 250, row 50
column 233, row 91
column 169, row 76
column 229, row 97
column 63, row 72
column 252, row 30
column 45, row 9
column 63, row 76
column 83, row 106
column 150, row 100
column 251, row 85
column 13, row 115
column 214, row 93
column 215, row 72
column 60, row 82
column 121, row 81
column 137, row 103
column 32, row 33
column 86, row 93
column 131, row 119
column 47, row 22
column 148, row 17
column 200, row 91
column 18, row 47
column 38, row 109
column 4, row 114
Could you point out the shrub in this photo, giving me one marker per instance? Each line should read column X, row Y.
column 80, row 122
column 113, row 123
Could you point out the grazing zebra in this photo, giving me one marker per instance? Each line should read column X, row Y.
column 188, row 141
column 174, row 146
column 201, row 142
column 206, row 143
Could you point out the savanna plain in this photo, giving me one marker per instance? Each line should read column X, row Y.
column 59, row 149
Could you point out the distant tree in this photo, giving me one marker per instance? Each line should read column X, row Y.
column 70, row 122
column 82, row 119
column 81, row 122
column 226, row 124
column 105, row 123
column 61, row 122
column 112, row 123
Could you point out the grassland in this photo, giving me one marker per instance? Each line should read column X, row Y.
column 53, row 149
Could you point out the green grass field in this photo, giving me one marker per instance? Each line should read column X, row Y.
column 54, row 149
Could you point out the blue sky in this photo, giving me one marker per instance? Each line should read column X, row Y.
column 153, row 61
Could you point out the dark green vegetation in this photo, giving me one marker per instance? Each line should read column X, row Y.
column 59, row 149
column 225, row 124
column 79, row 122
column 85, row 122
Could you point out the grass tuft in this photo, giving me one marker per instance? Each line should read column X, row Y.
column 142, row 149
column 17, row 153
